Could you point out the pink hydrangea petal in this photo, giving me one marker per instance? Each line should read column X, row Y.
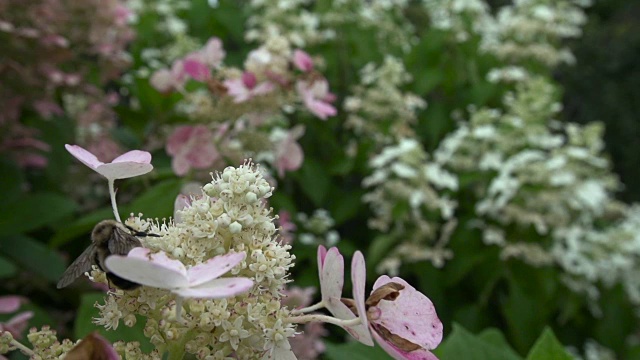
column 411, row 315
column 263, row 88
column 332, row 278
column 237, row 90
column 17, row 324
column 106, row 348
column 123, row 170
column 84, row 156
column 302, row 60
column 162, row 80
column 197, row 69
column 213, row 268
column 321, row 109
column 358, row 280
column 155, row 270
column 178, row 138
column 217, row 288
column 420, row 354
column 342, row 311
column 136, row 156
column 10, row 303
column 322, row 254
column 213, row 52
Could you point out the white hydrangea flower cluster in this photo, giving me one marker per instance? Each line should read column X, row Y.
column 532, row 173
column 167, row 12
column 408, row 198
column 534, row 29
column 386, row 18
column 230, row 216
column 287, row 19
column 519, row 32
column 317, row 229
column 609, row 256
column 463, row 18
column 378, row 109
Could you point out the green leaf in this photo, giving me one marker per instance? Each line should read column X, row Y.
column 7, row 268
column 33, row 256
column 157, row 201
column 34, row 211
column 379, row 248
column 547, row 347
column 82, row 226
column 461, row 344
column 84, row 324
column 314, row 181
column 10, row 181
column 354, row 351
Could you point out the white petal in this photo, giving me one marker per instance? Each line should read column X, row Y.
column 217, row 288
column 145, row 272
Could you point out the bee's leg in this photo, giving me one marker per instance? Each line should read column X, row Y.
column 135, row 232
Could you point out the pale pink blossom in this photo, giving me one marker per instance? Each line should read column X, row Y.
column 196, row 68
column 191, row 147
column 246, row 87
column 213, row 53
column 401, row 319
column 302, row 60
column 289, row 155
column 130, row 164
column 406, row 314
column 199, row 281
column 18, row 323
column 317, row 98
column 331, row 273
column 165, row 80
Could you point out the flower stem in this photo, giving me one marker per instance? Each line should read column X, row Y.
column 25, row 350
column 302, row 319
column 311, row 308
column 112, row 193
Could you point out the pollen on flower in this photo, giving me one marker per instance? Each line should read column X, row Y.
column 230, row 216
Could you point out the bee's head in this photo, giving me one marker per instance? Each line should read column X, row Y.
column 102, row 231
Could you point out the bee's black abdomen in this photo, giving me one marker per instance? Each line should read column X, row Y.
column 121, row 283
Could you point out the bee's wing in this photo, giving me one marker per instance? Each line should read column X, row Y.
column 81, row 265
column 122, row 242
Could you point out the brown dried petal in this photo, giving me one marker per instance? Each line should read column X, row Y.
column 397, row 341
column 389, row 291
column 92, row 347
column 351, row 304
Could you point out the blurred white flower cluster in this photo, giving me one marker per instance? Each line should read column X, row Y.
column 528, row 171
column 407, row 195
column 519, row 32
column 377, row 108
column 304, row 23
column 286, row 19
column 230, row 216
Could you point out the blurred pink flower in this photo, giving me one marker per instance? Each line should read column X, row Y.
column 309, row 345
column 191, row 147
column 196, row 68
column 130, row 164
column 18, row 323
column 317, row 98
column 289, row 155
column 287, row 227
column 165, row 80
column 302, row 60
column 213, row 53
column 246, row 87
